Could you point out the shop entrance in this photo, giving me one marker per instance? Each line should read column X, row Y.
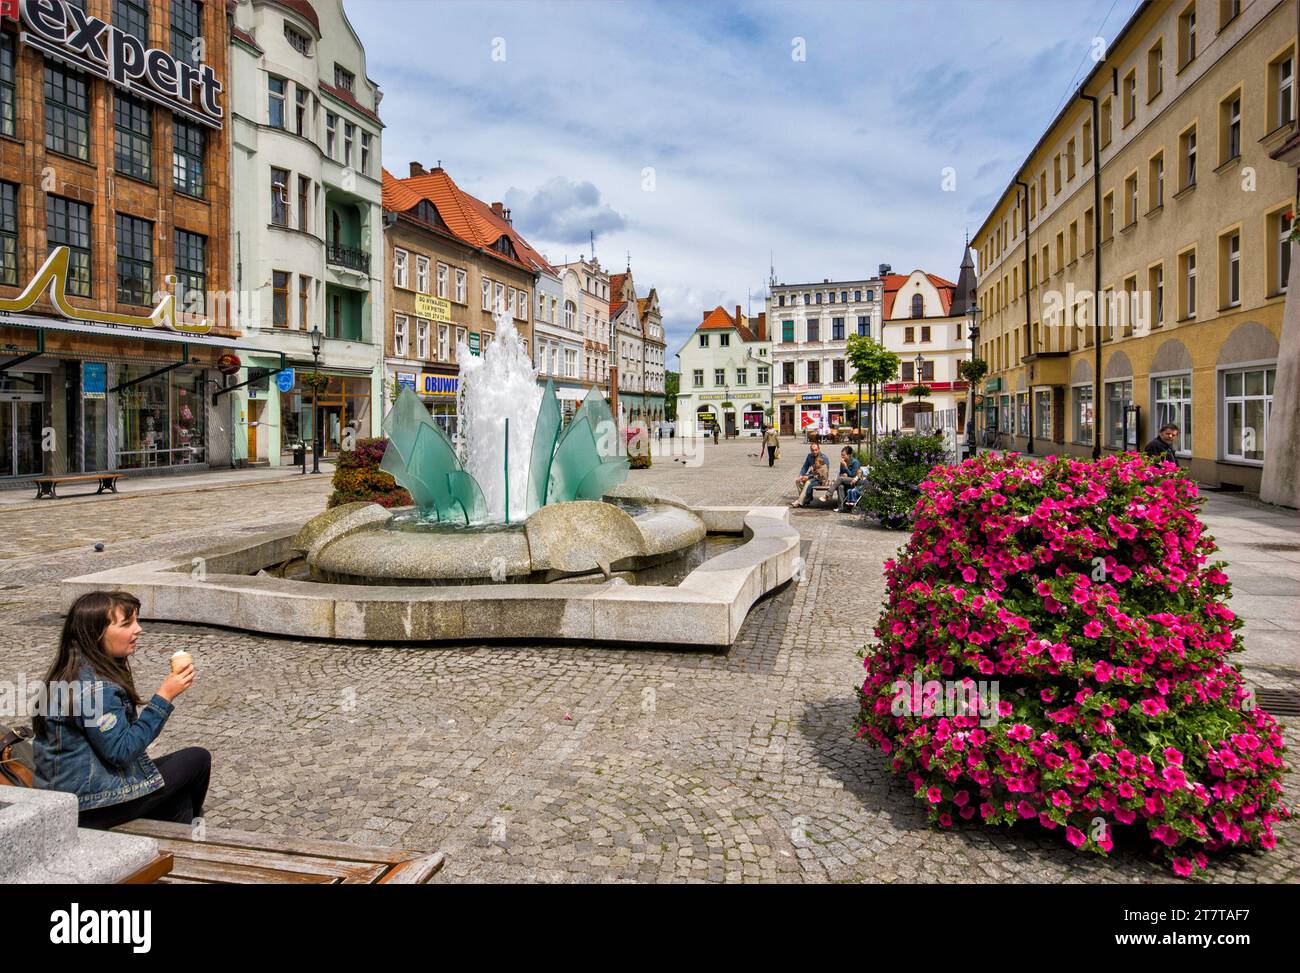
column 730, row 420
column 787, row 420
column 21, row 430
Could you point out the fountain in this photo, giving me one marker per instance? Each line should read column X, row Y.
column 528, row 530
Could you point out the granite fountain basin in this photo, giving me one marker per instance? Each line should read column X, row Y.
column 355, row 574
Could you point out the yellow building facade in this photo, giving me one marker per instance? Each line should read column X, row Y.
column 1195, row 220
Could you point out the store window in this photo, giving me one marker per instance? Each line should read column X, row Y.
column 1119, row 395
column 1173, row 403
column 1083, row 414
column 1043, row 414
column 1022, row 414
column 161, row 421
column 1247, row 402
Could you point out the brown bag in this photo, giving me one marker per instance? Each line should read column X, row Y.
column 17, row 764
column 777, row 454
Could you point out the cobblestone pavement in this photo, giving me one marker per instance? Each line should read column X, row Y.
column 563, row 763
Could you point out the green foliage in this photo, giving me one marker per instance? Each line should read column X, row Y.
column 973, row 370
column 357, row 477
column 894, row 480
column 871, row 363
column 919, row 391
column 672, row 386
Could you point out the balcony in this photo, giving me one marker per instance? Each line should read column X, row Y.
column 348, row 257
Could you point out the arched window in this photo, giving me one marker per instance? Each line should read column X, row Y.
column 570, row 314
column 918, row 306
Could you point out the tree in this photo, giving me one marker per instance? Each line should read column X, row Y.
column 873, row 366
column 672, row 385
column 973, row 370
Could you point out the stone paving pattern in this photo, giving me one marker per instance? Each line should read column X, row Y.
column 564, row 763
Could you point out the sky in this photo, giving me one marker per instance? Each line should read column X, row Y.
column 710, row 141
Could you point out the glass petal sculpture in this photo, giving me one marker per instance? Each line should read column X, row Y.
column 580, row 463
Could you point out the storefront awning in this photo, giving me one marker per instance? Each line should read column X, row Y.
column 122, row 332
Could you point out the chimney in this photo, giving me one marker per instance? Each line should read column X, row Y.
column 762, row 326
column 506, row 216
column 499, row 210
column 739, row 319
column 417, row 170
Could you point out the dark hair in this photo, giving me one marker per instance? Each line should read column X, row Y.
column 1169, row 425
column 846, row 449
column 82, row 643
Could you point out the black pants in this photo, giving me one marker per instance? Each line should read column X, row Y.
column 185, row 786
column 771, row 455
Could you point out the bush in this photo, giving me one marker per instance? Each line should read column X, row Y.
column 357, row 477
column 1082, row 590
column 894, row 478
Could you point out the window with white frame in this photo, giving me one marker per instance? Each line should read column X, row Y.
column 570, row 363
column 400, row 268
column 421, row 338
column 1172, row 395
column 500, row 296
column 444, row 273
column 1232, row 285
column 487, row 294
column 400, row 335
column 443, row 354
column 1083, row 413
column 1247, row 401
column 460, row 286
column 422, row 274
column 521, row 306
column 510, row 301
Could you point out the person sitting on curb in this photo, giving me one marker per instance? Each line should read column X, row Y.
column 805, row 472
column 850, row 475
column 92, row 742
column 1161, row 449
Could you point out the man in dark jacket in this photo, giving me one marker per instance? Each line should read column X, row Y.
column 1161, row 449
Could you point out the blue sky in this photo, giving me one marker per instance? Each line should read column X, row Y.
column 691, row 135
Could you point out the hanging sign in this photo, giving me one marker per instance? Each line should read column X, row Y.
column 228, row 364
column 284, row 380
column 433, row 308
column 67, row 33
column 473, row 342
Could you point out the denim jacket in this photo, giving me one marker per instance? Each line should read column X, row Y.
column 99, row 753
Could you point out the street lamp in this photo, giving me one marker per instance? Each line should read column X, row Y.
column 316, row 446
column 920, row 364
column 973, row 326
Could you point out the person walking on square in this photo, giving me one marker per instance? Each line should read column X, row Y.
column 1161, row 449
column 92, row 740
column 771, row 440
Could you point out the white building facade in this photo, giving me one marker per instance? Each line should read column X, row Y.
column 810, row 325
column 557, row 340
column 726, row 376
column 308, row 249
column 587, row 286
column 930, row 342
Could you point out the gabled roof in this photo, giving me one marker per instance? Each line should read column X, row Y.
column 615, row 308
column 892, row 283
column 468, row 218
column 964, row 294
column 720, row 320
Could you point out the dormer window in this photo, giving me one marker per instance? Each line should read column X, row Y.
column 343, row 78
column 299, row 41
column 918, row 306
column 503, row 245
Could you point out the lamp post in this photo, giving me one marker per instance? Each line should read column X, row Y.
column 972, row 325
column 920, row 364
column 316, row 337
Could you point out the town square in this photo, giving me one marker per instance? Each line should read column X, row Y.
column 506, row 479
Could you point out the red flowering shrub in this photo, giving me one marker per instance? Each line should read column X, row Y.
column 357, row 476
column 1072, row 606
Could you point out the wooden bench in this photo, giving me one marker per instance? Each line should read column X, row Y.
column 45, row 485
column 226, row 857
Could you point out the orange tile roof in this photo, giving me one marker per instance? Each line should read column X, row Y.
column 719, row 320
column 616, row 288
column 893, row 282
column 614, row 309
column 469, row 218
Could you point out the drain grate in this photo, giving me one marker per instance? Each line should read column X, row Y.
column 1278, row 702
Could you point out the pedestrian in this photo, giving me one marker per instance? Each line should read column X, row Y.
column 773, row 442
column 715, row 432
column 1161, row 449
column 850, row 474
column 659, row 430
column 806, row 471
column 90, row 738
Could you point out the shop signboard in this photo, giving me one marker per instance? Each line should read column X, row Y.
column 442, row 385
column 406, row 380
column 473, row 342
column 433, row 308
column 284, row 380
column 94, row 380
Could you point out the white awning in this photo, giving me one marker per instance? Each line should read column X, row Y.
column 117, row 332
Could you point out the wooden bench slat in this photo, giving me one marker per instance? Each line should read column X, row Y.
column 227, row 854
column 417, row 871
column 249, row 839
column 152, row 872
column 77, row 477
column 228, row 874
